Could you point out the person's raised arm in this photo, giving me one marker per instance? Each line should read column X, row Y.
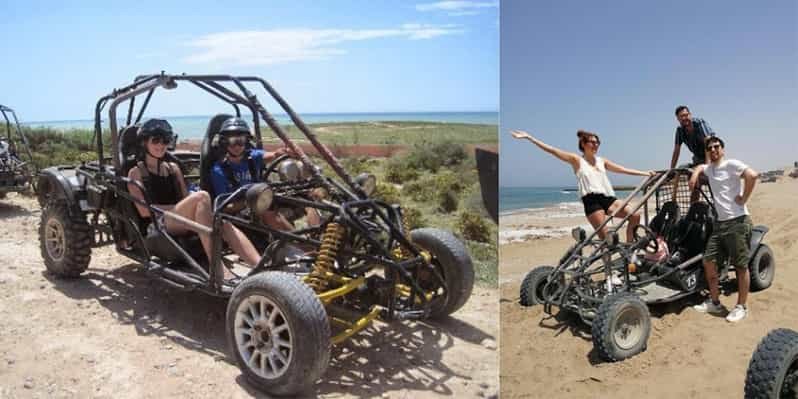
column 565, row 156
column 614, row 167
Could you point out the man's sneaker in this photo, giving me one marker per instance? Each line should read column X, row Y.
column 709, row 307
column 738, row 313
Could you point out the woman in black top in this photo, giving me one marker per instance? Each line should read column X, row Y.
column 164, row 182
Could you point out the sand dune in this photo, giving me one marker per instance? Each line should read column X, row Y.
column 690, row 355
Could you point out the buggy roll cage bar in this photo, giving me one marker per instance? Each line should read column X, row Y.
column 238, row 96
column 6, row 111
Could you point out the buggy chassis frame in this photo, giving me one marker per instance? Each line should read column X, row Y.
column 574, row 266
column 367, row 218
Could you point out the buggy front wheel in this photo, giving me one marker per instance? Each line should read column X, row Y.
column 773, row 370
column 621, row 327
column 278, row 332
column 451, row 259
column 533, row 285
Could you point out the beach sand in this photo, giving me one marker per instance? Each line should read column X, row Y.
column 689, row 355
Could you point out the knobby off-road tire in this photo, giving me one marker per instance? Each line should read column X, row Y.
column 278, row 332
column 762, row 268
column 532, row 286
column 65, row 240
column 773, row 370
column 621, row 327
column 453, row 261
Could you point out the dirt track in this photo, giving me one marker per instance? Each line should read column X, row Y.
column 690, row 355
column 115, row 333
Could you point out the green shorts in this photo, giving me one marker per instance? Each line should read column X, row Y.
column 730, row 240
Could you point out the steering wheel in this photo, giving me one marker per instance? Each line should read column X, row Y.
column 272, row 167
column 652, row 246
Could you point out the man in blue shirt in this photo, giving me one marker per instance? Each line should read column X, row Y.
column 692, row 132
column 242, row 166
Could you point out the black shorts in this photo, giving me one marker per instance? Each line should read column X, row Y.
column 594, row 202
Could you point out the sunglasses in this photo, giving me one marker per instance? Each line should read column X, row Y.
column 713, row 147
column 594, row 142
column 237, row 141
column 160, row 140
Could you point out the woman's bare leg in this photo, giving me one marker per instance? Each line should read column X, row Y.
column 596, row 219
column 197, row 207
column 634, row 220
column 240, row 244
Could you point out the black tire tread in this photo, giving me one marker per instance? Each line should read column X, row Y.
column 79, row 239
column 531, row 280
column 756, row 283
column 455, row 260
column 310, row 326
column 769, row 363
column 603, row 321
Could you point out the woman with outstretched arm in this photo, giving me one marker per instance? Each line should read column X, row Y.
column 595, row 189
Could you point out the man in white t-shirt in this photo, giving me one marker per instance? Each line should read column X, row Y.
column 731, row 233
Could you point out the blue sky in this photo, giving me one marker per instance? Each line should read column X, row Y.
column 619, row 68
column 333, row 56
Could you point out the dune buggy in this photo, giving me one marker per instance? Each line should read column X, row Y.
column 16, row 174
column 314, row 286
column 773, row 370
column 609, row 283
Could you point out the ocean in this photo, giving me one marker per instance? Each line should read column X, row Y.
column 521, row 199
column 194, row 126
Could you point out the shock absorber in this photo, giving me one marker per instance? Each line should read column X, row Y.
column 400, row 251
column 330, row 244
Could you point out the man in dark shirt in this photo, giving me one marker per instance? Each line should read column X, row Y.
column 692, row 132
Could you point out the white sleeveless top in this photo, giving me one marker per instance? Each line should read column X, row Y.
column 593, row 180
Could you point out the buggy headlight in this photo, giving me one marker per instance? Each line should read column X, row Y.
column 259, row 198
column 579, row 234
column 367, row 182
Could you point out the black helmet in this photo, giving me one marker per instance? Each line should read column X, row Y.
column 155, row 127
column 234, row 126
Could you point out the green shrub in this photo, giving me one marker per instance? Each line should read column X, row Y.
column 472, row 227
column 433, row 156
column 357, row 165
column 413, row 218
column 397, row 171
column 447, row 201
column 387, row 192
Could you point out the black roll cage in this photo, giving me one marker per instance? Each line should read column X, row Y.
column 6, row 111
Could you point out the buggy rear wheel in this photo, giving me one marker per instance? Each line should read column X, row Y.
column 533, row 284
column 278, row 333
column 621, row 327
column 773, row 369
column 451, row 258
column 65, row 240
column 762, row 268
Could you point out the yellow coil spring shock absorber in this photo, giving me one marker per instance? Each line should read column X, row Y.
column 330, row 244
column 400, row 251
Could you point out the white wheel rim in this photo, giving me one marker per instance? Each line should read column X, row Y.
column 628, row 328
column 54, row 239
column 263, row 337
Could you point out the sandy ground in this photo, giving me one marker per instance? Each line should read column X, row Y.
column 690, row 355
column 115, row 333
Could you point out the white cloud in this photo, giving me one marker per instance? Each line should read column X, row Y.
column 289, row 45
column 457, row 8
